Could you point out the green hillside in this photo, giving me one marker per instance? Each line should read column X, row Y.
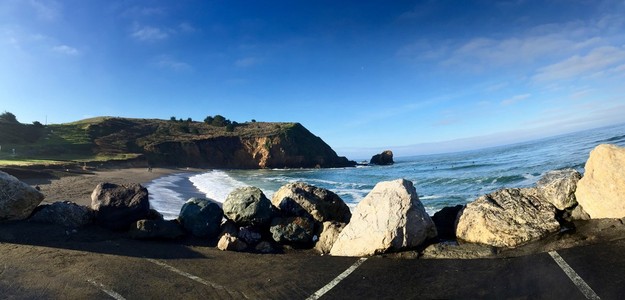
column 105, row 139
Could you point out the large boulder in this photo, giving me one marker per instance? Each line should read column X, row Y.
column 558, row 188
column 382, row 159
column 64, row 213
column 389, row 218
column 17, row 199
column 202, row 217
column 328, row 236
column 248, row 206
column 302, row 199
column 156, row 229
column 506, row 218
column 118, row 206
column 296, row 231
column 601, row 192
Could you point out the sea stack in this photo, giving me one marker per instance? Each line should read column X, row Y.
column 382, row 159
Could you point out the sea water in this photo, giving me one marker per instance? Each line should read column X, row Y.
column 440, row 179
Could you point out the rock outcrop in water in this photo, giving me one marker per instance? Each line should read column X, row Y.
column 601, row 192
column 382, row 159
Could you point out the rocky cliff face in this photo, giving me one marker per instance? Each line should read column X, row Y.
column 295, row 147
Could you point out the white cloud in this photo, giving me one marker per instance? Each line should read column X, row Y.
column 48, row 10
column 595, row 61
column 247, row 62
column 168, row 62
column 515, row 99
column 186, row 27
column 67, row 50
column 149, row 33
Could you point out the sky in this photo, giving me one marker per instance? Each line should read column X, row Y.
column 415, row 76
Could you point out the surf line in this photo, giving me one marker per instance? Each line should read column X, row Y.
column 336, row 280
column 192, row 277
column 105, row 289
column 577, row 280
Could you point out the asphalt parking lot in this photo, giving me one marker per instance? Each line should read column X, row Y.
column 129, row 269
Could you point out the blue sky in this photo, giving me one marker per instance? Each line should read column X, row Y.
column 415, row 76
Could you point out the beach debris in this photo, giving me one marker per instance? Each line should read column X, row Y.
column 329, row 233
column 17, row 199
column 390, row 218
column 294, row 231
column 64, row 213
column 382, row 159
column 202, row 217
column 248, row 206
column 228, row 242
column 302, row 199
column 156, row 229
column 601, row 192
column 507, row 218
column 118, row 206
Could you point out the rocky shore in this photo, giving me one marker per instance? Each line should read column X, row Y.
column 564, row 209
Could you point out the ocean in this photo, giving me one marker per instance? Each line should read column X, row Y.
column 440, row 179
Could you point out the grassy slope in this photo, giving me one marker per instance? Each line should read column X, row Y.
column 107, row 138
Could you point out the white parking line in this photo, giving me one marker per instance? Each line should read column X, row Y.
column 107, row 290
column 577, row 280
column 191, row 276
column 336, row 280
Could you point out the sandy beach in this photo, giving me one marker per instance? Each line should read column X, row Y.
column 76, row 185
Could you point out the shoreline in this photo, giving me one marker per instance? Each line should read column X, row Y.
column 76, row 185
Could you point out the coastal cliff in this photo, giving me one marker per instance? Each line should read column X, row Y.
column 290, row 147
column 153, row 142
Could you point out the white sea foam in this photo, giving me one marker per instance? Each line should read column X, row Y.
column 163, row 195
column 216, row 184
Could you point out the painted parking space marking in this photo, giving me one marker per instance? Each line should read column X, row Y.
column 193, row 277
column 106, row 290
column 577, row 280
column 336, row 280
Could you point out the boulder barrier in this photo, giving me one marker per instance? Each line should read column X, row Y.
column 389, row 219
column 17, row 199
column 601, row 192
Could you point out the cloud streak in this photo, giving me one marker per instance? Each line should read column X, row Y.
column 66, row 50
column 598, row 59
column 149, row 33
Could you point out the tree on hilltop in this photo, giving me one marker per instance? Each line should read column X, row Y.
column 7, row 117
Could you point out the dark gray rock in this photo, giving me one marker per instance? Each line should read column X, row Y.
column 250, row 235
column 265, row 247
column 248, row 206
column 302, row 199
column 156, row 229
column 382, row 159
column 17, row 199
column 202, row 217
column 296, row 231
column 445, row 222
column 65, row 213
column 118, row 206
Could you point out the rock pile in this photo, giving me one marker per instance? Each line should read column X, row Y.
column 389, row 219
